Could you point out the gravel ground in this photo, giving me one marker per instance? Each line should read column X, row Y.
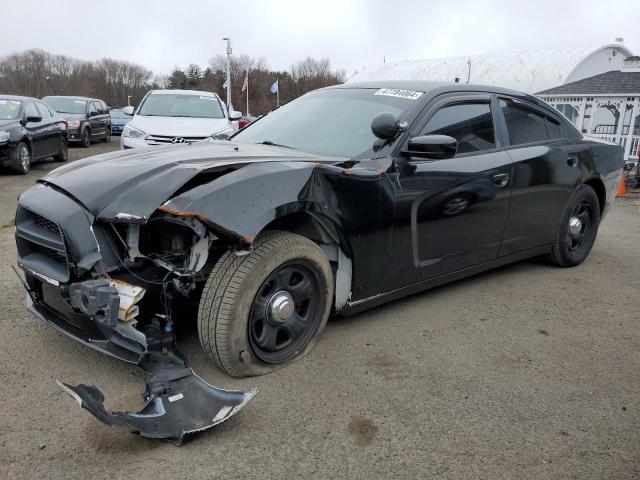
column 524, row 372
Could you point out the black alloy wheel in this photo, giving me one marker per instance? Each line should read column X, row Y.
column 578, row 230
column 286, row 312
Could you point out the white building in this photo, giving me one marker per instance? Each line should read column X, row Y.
column 605, row 105
column 529, row 72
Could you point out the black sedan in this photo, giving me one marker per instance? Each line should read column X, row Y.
column 346, row 198
column 29, row 131
column 88, row 118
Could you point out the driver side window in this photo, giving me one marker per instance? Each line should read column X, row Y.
column 471, row 124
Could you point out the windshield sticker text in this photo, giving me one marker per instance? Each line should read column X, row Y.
column 396, row 92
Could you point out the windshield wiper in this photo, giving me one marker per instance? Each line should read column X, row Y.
column 271, row 144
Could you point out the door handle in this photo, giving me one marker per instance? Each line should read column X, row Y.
column 572, row 161
column 501, row 179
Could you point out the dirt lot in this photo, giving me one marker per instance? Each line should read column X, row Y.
column 525, row 372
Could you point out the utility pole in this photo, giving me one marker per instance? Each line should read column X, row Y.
column 228, row 40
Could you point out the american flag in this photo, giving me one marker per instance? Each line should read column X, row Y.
column 245, row 85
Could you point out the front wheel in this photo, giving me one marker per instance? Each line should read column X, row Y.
column 261, row 311
column 578, row 230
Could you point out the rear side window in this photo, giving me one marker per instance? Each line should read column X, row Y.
column 470, row 124
column 527, row 126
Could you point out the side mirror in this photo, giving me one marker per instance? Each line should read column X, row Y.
column 436, row 147
column 235, row 115
column 93, row 114
column 220, row 136
column 33, row 119
column 128, row 110
column 385, row 126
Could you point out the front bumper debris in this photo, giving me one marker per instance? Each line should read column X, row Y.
column 178, row 401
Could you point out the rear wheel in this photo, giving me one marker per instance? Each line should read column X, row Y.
column 107, row 137
column 63, row 150
column 261, row 311
column 85, row 138
column 21, row 159
column 578, row 230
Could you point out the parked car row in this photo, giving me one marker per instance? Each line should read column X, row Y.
column 33, row 129
column 30, row 130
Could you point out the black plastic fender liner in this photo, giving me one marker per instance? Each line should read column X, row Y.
column 179, row 402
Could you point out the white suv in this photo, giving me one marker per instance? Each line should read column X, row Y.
column 177, row 116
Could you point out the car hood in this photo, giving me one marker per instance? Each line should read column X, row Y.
column 72, row 116
column 4, row 124
column 129, row 185
column 180, row 126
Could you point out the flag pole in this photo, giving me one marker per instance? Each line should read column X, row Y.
column 247, row 92
column 278, row 93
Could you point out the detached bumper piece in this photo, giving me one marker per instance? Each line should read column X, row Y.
column 179, row 402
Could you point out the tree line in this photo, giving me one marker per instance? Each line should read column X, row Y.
column 37, row 73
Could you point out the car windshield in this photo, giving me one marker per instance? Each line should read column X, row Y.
column 66, row 105
column 9, row 109
column 119, row 114
column 181, row 105
column 334, row 122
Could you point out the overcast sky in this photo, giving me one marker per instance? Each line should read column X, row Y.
column 351, row 33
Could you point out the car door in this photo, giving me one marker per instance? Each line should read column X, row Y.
column 547, row 169
column 94, row 120
column 36, row 130
column 51, row 132
column 450, row 213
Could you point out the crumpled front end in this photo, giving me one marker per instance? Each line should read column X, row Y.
column 114, row 287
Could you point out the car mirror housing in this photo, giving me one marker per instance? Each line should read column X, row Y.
column 220, row 136
column 33, row 119
column 235, row 115
column 128, row 110
column 435, row 147
column 385, row 126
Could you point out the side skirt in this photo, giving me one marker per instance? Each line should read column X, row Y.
column 361, row 305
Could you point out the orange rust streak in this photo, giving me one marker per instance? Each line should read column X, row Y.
column 183, row 213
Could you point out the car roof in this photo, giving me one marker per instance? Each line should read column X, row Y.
column 437, row 88
column 17, row 98
column 184, row 92
column 427, row 86
column 72, row 97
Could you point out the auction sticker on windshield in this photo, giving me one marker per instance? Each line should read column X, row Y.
column 396, row 92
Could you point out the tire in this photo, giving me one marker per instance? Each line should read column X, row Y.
column 571, row 248
column 21, row 159
column 85, row 139
column 236, row 316
column 63, row 150
column 107, row 137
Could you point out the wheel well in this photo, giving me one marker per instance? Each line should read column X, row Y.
column 601, row 192
column 326, row 234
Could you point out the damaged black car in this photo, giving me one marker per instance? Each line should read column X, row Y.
column 343, row 199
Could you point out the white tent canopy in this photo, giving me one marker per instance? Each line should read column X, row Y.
column 529, row 72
